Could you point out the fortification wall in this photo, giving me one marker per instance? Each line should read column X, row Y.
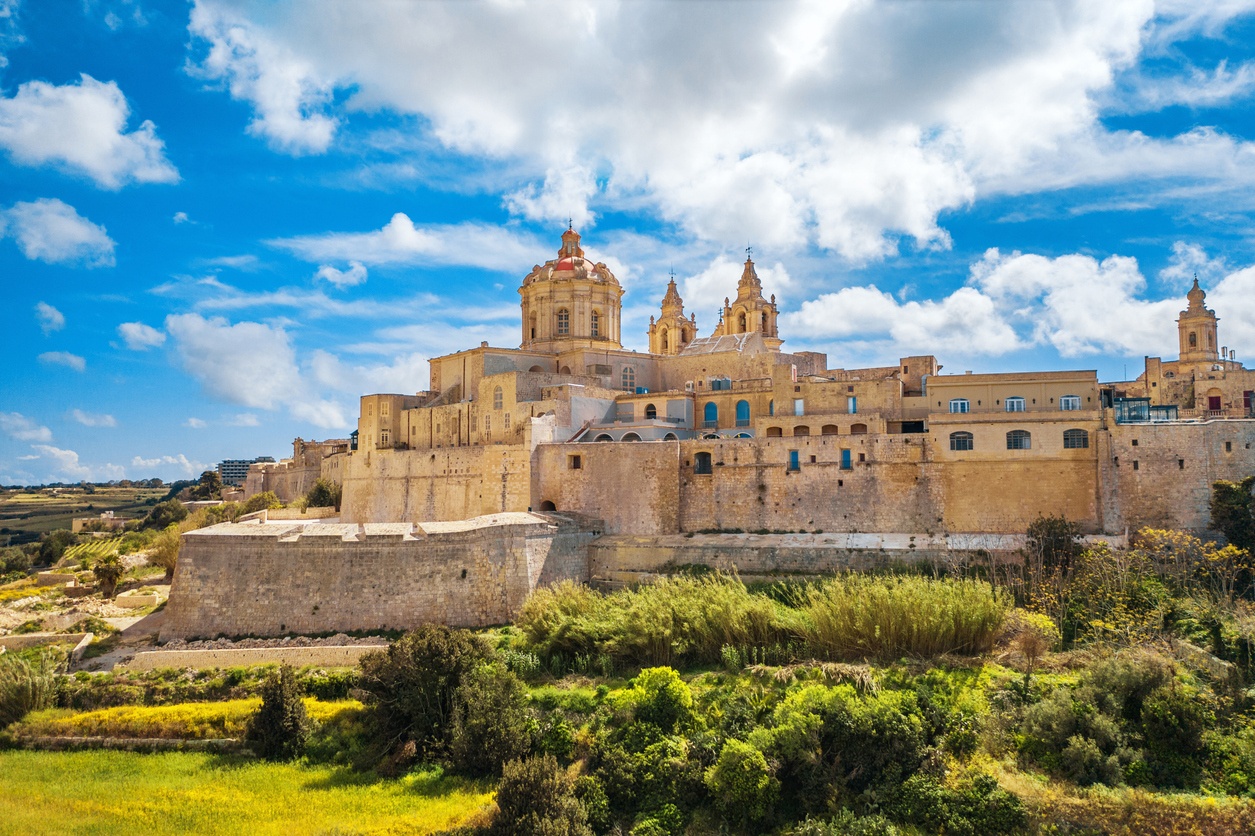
column 1161, row 474
column 453, row 483
column 269, row 579
column 631, row 487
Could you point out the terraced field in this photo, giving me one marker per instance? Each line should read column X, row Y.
column 25, row 514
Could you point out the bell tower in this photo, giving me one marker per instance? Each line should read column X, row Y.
column 1196, row 329
column 672, row 332
column 750, row 312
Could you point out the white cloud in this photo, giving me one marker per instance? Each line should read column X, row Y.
column 81, row 128
column 179, row 464
column 406, row 374
column 65, row 466
column 244, row 419
column 286, row 92
column 50, row 319
column 251, row 364
column 845, row 125
column 181, row 218
column 355, row 275
column 400, row 241
column 195, row 423
column 88, row 419
column 1190, row 260
column 52, row 231
column 247, row 263
column 704, row 292
column 18, row 426
column 140, row 337
column 64, row 358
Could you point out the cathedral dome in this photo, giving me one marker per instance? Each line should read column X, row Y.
column 571, row 265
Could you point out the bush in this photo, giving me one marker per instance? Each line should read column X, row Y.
column 324, row 494
column 974, row 806
column 741, row 783
column 662, row 699
column 412, row 684
column 280, row 729
column 53, row 545
column 165, row 550
column 537, row 798
column 491, row 723
column 28, row 683
column 846, row 823
column 260, row 502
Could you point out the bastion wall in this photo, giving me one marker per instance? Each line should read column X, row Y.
column 269, row 579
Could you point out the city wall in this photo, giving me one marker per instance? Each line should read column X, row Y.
column 270, row 579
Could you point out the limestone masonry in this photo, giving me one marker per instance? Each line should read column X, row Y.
column 705, row 434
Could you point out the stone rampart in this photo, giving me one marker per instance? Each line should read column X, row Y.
column 272, row 578
column 343, row 656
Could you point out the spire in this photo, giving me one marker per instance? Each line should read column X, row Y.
column 672, row 298
column 570, row 244
column 1196, row 296
column 749, row 278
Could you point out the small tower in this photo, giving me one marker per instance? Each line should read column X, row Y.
column 569, row 303
column 672, row 332
column 750, row 312
column 1196, row 329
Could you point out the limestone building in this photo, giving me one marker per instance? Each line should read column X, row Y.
column 728, row 431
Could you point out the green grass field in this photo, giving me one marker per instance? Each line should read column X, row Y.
column 26, row 513
column 124, row 793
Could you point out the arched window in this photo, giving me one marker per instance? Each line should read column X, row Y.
column 803, row 430
column 631, row 437
column 629, row 378
column 596, row 324
column 535, row 369
column 564, row 322
column 1015, row 404
column 1070, row 403
column 670, row 437
column 496, row 398
column 858, row 429
column 711, row 436
column 1019, row 440
column 603, row 437
column 1193, row 340
column 771, row 408
column 744, row 435
column 710, row 414
column 666, row 341
column 959, row 405
column 564, row 370
column 651, row 412
column 701, row 464
column 961, row 441
column 740, row 321
column 1075, row 439
column 742, row 413
column 532, row 327
column 829, row 429
column 774, row 432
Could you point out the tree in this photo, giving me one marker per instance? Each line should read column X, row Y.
column 279, row 731
column 1233, row 511
column 28, row 683
column 537, row 798
column 53, row 545
column 108, row 571
column 412, row 684
column 324, row 494
column 491, row 723
column 209, row 486
column 164, row 551
column 164, row 514
column 261, row 502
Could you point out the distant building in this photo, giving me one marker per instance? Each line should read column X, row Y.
column 235, row 471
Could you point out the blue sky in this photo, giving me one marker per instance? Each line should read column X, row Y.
column 221, row 222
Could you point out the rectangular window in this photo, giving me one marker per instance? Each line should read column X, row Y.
column 1135, row 464
column 862, row 457
column 383, row 437
column 487, row 425
column 847, row 460
column 383, row 409
column 794, row 460
column 1180, row 464
column 959, row 405
column 1015, row 405
column 1069, row 403
column 573, row 462
column 798, row 406
column 851, row 404
column 1228, row 446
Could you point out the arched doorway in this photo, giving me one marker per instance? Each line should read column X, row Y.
column 547, row 505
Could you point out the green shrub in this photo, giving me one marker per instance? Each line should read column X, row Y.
column 845, row 823
column 28, row 682
column 323, row 494
column 108, row 571
column 491, row 722
column 662, row 699
column 411, row 685
column 537, row 798
column 741, row 783
column 165, row 514
column 280, row 729
column 975, row 806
